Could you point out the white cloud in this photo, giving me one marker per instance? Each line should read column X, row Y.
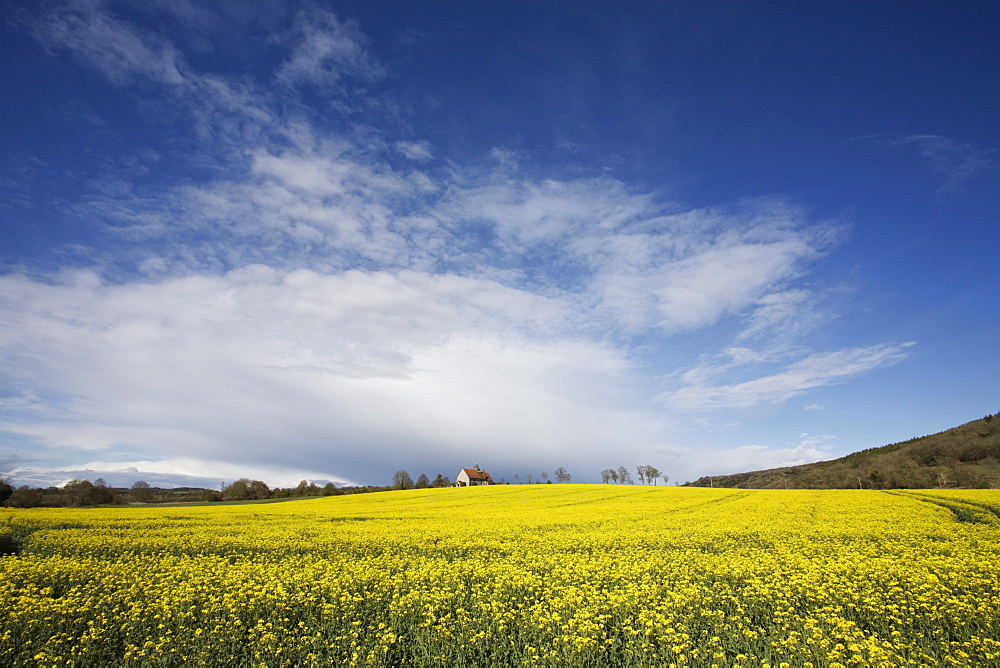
column 311, row 199
column 788, row 312
column 648, row 263
column 636, row 263
column 815, row 370
column 332, row 373
column 176, row 472
column 760, row 457
column 527, row 213
column 679, row 280
column 226, row 111
column 313, row 305
column 733, row 357
column 327, row 50
column 114, row 48
column 318, row 205
column 724, row 279
column 415, row 150
column 957, row 163
column 691, row 462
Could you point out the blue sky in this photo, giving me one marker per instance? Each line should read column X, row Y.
column 331, row 240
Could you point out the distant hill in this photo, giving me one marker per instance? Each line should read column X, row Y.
column 964, row 457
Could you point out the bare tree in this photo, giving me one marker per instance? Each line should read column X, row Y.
column 85, row 493
column 402, row 480
column 562, row 475
column 606, row 475
column 529, row 478
column 623, row 475
column 652, row 473
column 140, row 491
column 422, row 482
column 545, row 476
column 517, row 479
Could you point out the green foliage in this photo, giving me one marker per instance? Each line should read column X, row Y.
column 306, row 488
column 81, row 493
column 238, row 491
column 85, row 493
column 25, row 498
column 7, row 543
column 967, row 456
column 245, row 489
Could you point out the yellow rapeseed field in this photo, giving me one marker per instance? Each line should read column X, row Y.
column 595, row 575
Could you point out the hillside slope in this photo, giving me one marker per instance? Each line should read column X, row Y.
column 964, row 457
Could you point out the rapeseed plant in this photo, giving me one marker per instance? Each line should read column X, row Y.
column 536, row 575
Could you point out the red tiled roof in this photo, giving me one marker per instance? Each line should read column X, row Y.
column 477, row 475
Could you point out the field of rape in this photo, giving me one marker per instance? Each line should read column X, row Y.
column 527, row 574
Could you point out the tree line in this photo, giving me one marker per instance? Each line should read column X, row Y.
column 402, row 480
column 80, row 493
column 646, row 473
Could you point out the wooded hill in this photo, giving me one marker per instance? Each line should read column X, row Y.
column 964, row 457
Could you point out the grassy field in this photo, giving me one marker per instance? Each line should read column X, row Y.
column 528, row 574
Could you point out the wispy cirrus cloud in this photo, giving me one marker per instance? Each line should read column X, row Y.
column 814, row 370
column 639, row 263
column 415, row 150
column 315, row 199
column 789, row 312
column 223, row 109
column 645, row 262
column 111, row 46
column 957, row 162
column 326, row 51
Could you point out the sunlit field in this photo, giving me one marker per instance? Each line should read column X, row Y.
column 527, row 574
